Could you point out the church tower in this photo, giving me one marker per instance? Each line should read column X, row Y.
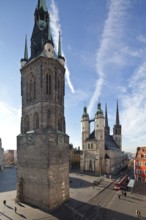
column 117, row 130
column 85, row 126
column 43, row 145
column 99, row 124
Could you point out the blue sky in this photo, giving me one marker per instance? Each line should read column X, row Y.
column 104, row 43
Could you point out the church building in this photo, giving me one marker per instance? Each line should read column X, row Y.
column 102, row 152
column 43, row 145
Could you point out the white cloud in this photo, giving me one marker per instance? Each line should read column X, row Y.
column 10, row 125
column 56, row 27
column 110, row 43
column 141, row 38
column 134, row 108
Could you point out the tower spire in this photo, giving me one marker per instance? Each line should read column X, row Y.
column 106, row 117
column 26, row 50
column 107, row 129
column 117, row 115
column 60, row 57
column 42, row 4
column 59, row 46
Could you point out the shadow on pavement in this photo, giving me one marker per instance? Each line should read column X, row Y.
column 79, row 183
column 74, row 209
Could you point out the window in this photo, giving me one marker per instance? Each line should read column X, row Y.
column 48, row 118
column 59, row 88
column 140, row 171
column 36, row 121
column 26, row 123
column 138, row 163
column 144, row 163
column 88, row 146
column 144, row 155
column 31, row 88
column 48, row 84
column 91, row 145
column 144, row 171
column 60, row 124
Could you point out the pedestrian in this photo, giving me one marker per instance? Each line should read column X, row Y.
column 15, row 209
column 4, row 202
column 125, row 194
column 119, row 196
column 138, row 213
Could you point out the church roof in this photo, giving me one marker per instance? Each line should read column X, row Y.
column 107, row 156
column 91, row 136
column 110, row 143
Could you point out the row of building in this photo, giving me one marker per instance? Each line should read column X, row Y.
column 1, row 156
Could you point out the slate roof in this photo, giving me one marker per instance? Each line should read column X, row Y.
column 110, row 143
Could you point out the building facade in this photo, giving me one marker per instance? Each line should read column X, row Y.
column 10, row 157
column 1, row 156
column 43, row 145
column 140, row 164
column 102, row 152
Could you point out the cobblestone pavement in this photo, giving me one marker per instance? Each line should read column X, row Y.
column 81, row 190
column 84, row 203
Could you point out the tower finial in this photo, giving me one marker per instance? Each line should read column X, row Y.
column 26, row 50
column 49, row 30
column 117, row 115
column 59, row 46
column 42, row 4
column 106, row 117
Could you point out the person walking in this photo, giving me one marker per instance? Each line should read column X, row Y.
column 15, row 209
column 138, row 213
column 4, row 202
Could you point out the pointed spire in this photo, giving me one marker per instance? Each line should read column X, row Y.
column 42, row 4
column 59, row 46
column 26, row 50
column 49, row 30
column 107, row 128
column 117, row 115
column 106, row 117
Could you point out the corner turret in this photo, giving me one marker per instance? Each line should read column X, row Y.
column 60, row 57
column 25, row 59
column 49, row 46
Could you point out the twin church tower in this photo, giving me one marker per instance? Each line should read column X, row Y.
column 102, row 152
column 43, row 145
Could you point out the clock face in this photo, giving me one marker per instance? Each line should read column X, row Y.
column 30, row 138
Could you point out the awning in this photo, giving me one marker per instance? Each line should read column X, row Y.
column 131, row 183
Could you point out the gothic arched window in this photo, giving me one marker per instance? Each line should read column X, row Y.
column 36, row 121
column 26, row 123
column 48, row 84
column 59, row 88
column 31, row 88
column 60, row 124
column 48, row 118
